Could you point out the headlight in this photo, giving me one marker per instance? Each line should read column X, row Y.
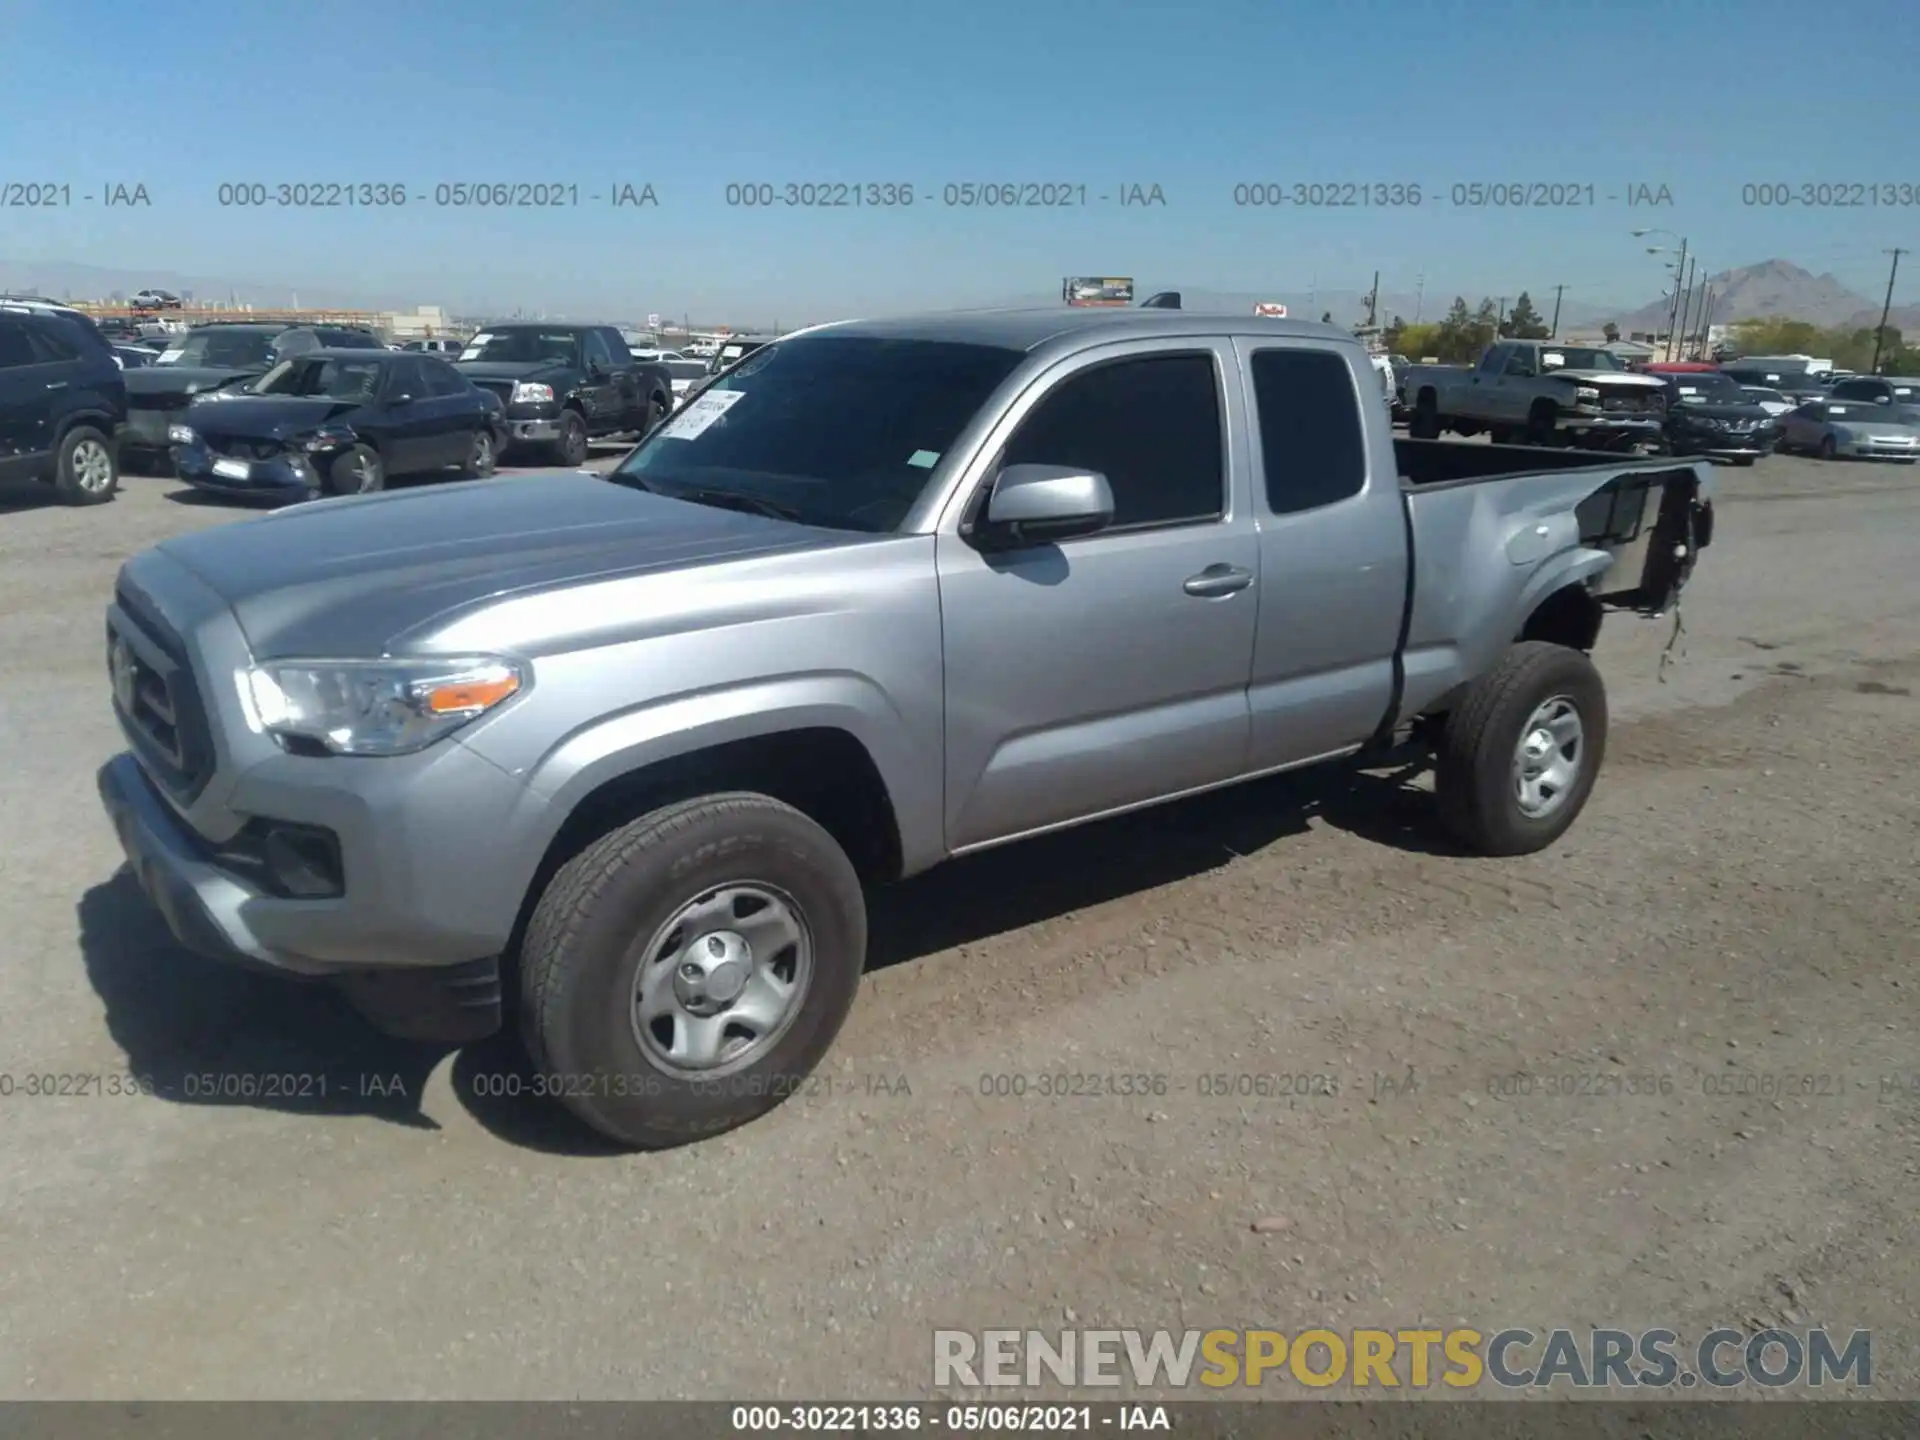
column 377, row 707
column 180, row 435
column 1586, row 395
column 527, row 393
column 328, row 437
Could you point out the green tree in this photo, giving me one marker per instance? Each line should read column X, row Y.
column 1455, row 338
column 1523, row 321
column 1417, row 342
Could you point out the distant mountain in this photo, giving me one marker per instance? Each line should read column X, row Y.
column 1348, row 307
column 1777, row 288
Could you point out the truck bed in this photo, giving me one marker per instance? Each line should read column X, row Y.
column 1627, row 530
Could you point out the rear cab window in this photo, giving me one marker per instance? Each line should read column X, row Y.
column 1313, row 444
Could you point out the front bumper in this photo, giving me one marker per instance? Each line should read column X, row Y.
column 1872, row 450
column 526, row 425
column 1604, row 424
column 283, row 477
column 439, row 994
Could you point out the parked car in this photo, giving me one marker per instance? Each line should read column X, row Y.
column 1893, row 390
column 1799, row 386
column 155, row 300
column 684, row 374
column 62, row 402
column 1539, row 390
column 337, row 422
column 1707, row 413
column 448, row 350
column 566, row 385
column 910, row 589
column 133, row 357
column 209, row 357
column 1854, row 429
column 1773, row 402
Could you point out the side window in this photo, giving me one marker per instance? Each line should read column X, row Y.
column 52, row 343
column 16, row 349
column 596, row 350
column 443, row 379
column 1151, row 426
column 407, row 378
column 1520, row 361
column 1312, row 445
column 1856, row 390
column 1494, row 361
column 617, row 349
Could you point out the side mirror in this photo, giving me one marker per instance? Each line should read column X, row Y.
column 1035, row 504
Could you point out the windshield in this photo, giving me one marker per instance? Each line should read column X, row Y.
column 1765, row 396
column 685, row 369
column 1705, row 388
column 842, row 432
column 524, row 347
column 336, row 379
column 224, row 349
column 1576, row 357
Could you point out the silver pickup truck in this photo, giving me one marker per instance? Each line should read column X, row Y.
column 1539, row 391
column 624, row 751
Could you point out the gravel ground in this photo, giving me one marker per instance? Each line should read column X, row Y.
column 1739, row 901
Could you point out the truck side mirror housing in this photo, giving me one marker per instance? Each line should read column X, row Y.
column 1035, row 504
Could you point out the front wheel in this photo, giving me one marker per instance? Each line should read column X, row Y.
column 85, row 471
column 356, row 472
column 571, row 447
column 1519, row 754
column 1425, row 424
column 482, row 456
column 1827, row 448
column 684, row 974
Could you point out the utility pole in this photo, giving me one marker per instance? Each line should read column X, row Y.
column 1373, row 302
column 1886, row 307
column 1554, row 329
column 1500, row 323
column 1686, row 307
column 1419, row 294
column 1704, row 322
column 1673, row 311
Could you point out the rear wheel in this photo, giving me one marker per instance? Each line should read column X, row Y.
column 85, row 471
column 685, row 973
column 1520, row 753
column 1540, row 427
column 1425, row 424
column 356, row 472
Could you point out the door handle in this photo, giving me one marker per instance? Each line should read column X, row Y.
column 56, row 384
column 1218, row 580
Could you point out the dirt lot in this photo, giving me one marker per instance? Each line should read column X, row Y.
column 1739, row 902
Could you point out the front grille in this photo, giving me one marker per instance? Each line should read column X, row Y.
column 1628, row 404
column 502, row 388
column 238, row 449
column 155, row 696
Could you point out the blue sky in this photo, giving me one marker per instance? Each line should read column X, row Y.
column 1194, row 97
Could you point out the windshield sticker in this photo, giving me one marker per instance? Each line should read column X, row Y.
column 1688, row 390
column 1553, row 357
column 924, row 459
column 701, row 415
column 1836, row 410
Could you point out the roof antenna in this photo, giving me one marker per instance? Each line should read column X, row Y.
column 1165, row 300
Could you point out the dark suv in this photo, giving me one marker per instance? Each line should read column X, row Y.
column 213, row 357
column 62, row 402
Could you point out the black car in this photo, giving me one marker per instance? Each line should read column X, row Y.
column 564, row 385
column 62, row 401
column 208, row 357
column 337, row 422
column 1709, row 414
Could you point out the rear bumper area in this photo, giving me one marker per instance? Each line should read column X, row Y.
column 214, row 912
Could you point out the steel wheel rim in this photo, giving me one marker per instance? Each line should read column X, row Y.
column 365, row 469
column 92, row 466
column 482, row 451
column 1548, row 757
column 722, row 981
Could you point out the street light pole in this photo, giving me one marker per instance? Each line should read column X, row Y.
column 1673, row 309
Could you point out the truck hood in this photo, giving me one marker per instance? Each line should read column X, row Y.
column 265, row 417
column 1620, row 379
column 357, row 577
column 511, row 369
column 182, row 379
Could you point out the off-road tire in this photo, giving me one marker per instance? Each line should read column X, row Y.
column 582, row 951
column 1474, row 780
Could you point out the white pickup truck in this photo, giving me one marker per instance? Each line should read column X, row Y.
column 1538, row 392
